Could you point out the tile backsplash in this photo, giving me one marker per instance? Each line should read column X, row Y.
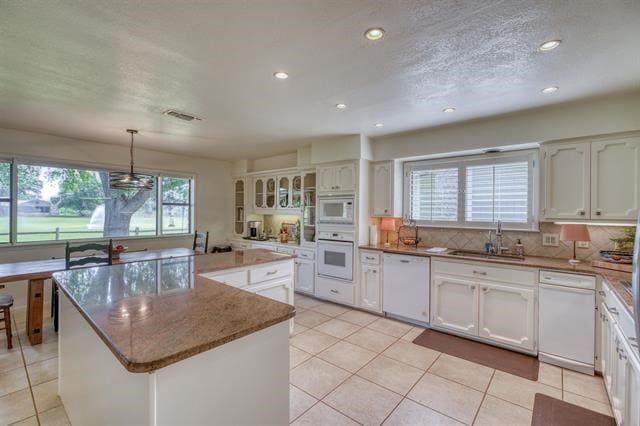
column 474, row 239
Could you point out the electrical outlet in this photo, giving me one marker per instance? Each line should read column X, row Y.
column 551, row 240
column 582, row 244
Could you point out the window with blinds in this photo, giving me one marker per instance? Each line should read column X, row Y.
column 434, row 195
column 473, row 191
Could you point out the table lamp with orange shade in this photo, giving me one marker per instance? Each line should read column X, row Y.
column 574, row 232
column 388, row 224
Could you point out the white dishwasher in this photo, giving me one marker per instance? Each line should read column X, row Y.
column 567, row 320
column 406, row 287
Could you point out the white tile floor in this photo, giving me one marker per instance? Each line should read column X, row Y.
column 348, row 367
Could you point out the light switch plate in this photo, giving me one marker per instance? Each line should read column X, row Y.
column 582, row 244
column 551, row 240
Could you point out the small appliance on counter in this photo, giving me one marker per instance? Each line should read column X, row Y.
column 255, row 229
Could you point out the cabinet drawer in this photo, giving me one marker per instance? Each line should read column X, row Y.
column 270, row 272
column 335, row 290
column 305, row 254
column 618, row 311
column 286, row 250
column 485, row 271
column 370, row 257
column 235, row 278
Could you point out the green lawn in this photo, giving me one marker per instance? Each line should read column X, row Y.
column 70, row 228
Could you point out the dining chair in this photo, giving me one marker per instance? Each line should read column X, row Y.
column 70, row 262
column 6, row 302
column 201, row 241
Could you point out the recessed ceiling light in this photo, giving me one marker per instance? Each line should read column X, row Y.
column 549, row 45
column 379, row 124
column 281, row 75
column 341, row 106
column 550, row 89
column 449, row 109
column 374, row 34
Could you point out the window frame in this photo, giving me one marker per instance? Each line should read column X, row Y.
column 529, row 155
column 42, row 162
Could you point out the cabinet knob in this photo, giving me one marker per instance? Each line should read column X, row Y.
column 485, row 289
column 582, row 212
column 473, row 287
column 480, row 272
column 602, row 293
column 374, row 271
column 613, row 311
column 598, row 213
column 333, row 290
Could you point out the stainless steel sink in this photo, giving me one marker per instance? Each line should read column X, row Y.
column 483, row 255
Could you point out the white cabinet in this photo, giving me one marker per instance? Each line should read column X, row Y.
column 337, row 178
column 596, row 179
column 615, row 179
column 305, row 276
column 620, row 364
column 506, row 315
column 454, row 304
column 240, row 194
column 566, row 180
column 491, row 303
column 386, row 189
column 371, row 287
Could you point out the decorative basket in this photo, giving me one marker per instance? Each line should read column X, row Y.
column 617, row 256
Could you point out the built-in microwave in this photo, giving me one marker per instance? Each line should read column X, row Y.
column 336, row 210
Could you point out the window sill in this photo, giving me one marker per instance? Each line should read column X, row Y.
column 82, row 241
column 505, row 228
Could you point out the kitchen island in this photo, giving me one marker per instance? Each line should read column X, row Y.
column 155, row 342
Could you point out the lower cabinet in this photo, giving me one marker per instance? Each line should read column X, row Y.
column 506, row 315
column 371, row 287
column 620, row 365
column 492, row 303
column 454, row 304
column 305, row 276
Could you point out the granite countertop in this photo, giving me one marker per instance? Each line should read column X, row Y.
column 151, row 314
column 613, row 278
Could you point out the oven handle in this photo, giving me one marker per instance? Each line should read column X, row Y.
column 342, row 243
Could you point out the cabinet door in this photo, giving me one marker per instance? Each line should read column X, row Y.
column 284, row 194
column 382, row 189
column 615, row 179
column 326, row 178
column 566, row 181
column 454, row 304
column 370, row 287
column 619, row 377
column 632, row 415
column 606, row 345
column 507, row 315
column 258, row 193
column 239, row 209
column 270, row 193
column 346, row 178
column 305, row 276
column 279, row 292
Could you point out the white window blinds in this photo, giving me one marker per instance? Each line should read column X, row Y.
column 434, row 195
column 497, row 192
column 472, row 191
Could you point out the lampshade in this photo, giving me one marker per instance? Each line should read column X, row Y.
column 574, row 232
column 388, row 224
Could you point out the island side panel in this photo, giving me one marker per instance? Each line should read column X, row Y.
column 244, row 382
column 94, row 387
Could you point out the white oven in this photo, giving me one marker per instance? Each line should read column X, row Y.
column 335, row 256
column 336, row 210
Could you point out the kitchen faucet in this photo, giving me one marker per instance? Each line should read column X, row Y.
column 499, row 249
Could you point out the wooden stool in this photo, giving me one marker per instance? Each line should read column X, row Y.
column 6, row 302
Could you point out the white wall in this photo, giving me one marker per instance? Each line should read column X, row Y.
column 213, row 196
column 609, row 114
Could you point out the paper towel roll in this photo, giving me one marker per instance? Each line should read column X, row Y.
column 373, row 234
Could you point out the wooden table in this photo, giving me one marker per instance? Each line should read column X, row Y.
column 39, row 270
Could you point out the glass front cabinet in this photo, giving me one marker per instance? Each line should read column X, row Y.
column 239, row 206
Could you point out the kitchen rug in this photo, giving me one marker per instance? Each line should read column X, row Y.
column 505, row 360
column 549, row 411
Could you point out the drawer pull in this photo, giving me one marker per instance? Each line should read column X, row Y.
column 404, row 261
column 613, row 311
column 370, row 258
column 333, row 290
column 480, row 272
column 272, row 272
column 602, row 293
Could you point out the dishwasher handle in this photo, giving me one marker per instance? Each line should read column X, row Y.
column 565, row 288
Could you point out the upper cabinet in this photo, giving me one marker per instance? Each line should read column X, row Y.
column 282, row 192
column 336, row 179
column 615, row 178
column 239, row 206
column 592, row 179
column 386, row 189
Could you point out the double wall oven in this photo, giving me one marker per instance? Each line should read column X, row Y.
column 335, row 254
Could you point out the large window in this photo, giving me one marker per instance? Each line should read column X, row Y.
column 473, row 191
column 65, row 203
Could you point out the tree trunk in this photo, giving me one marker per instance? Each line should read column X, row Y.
column 118, row 208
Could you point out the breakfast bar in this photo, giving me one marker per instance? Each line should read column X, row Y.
column 155, row 342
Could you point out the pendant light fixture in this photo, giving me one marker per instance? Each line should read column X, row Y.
column 130, row 180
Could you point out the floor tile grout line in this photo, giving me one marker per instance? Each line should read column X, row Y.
column 26, row 370
column 484, row 396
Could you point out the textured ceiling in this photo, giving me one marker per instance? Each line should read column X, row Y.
column 91, row 69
